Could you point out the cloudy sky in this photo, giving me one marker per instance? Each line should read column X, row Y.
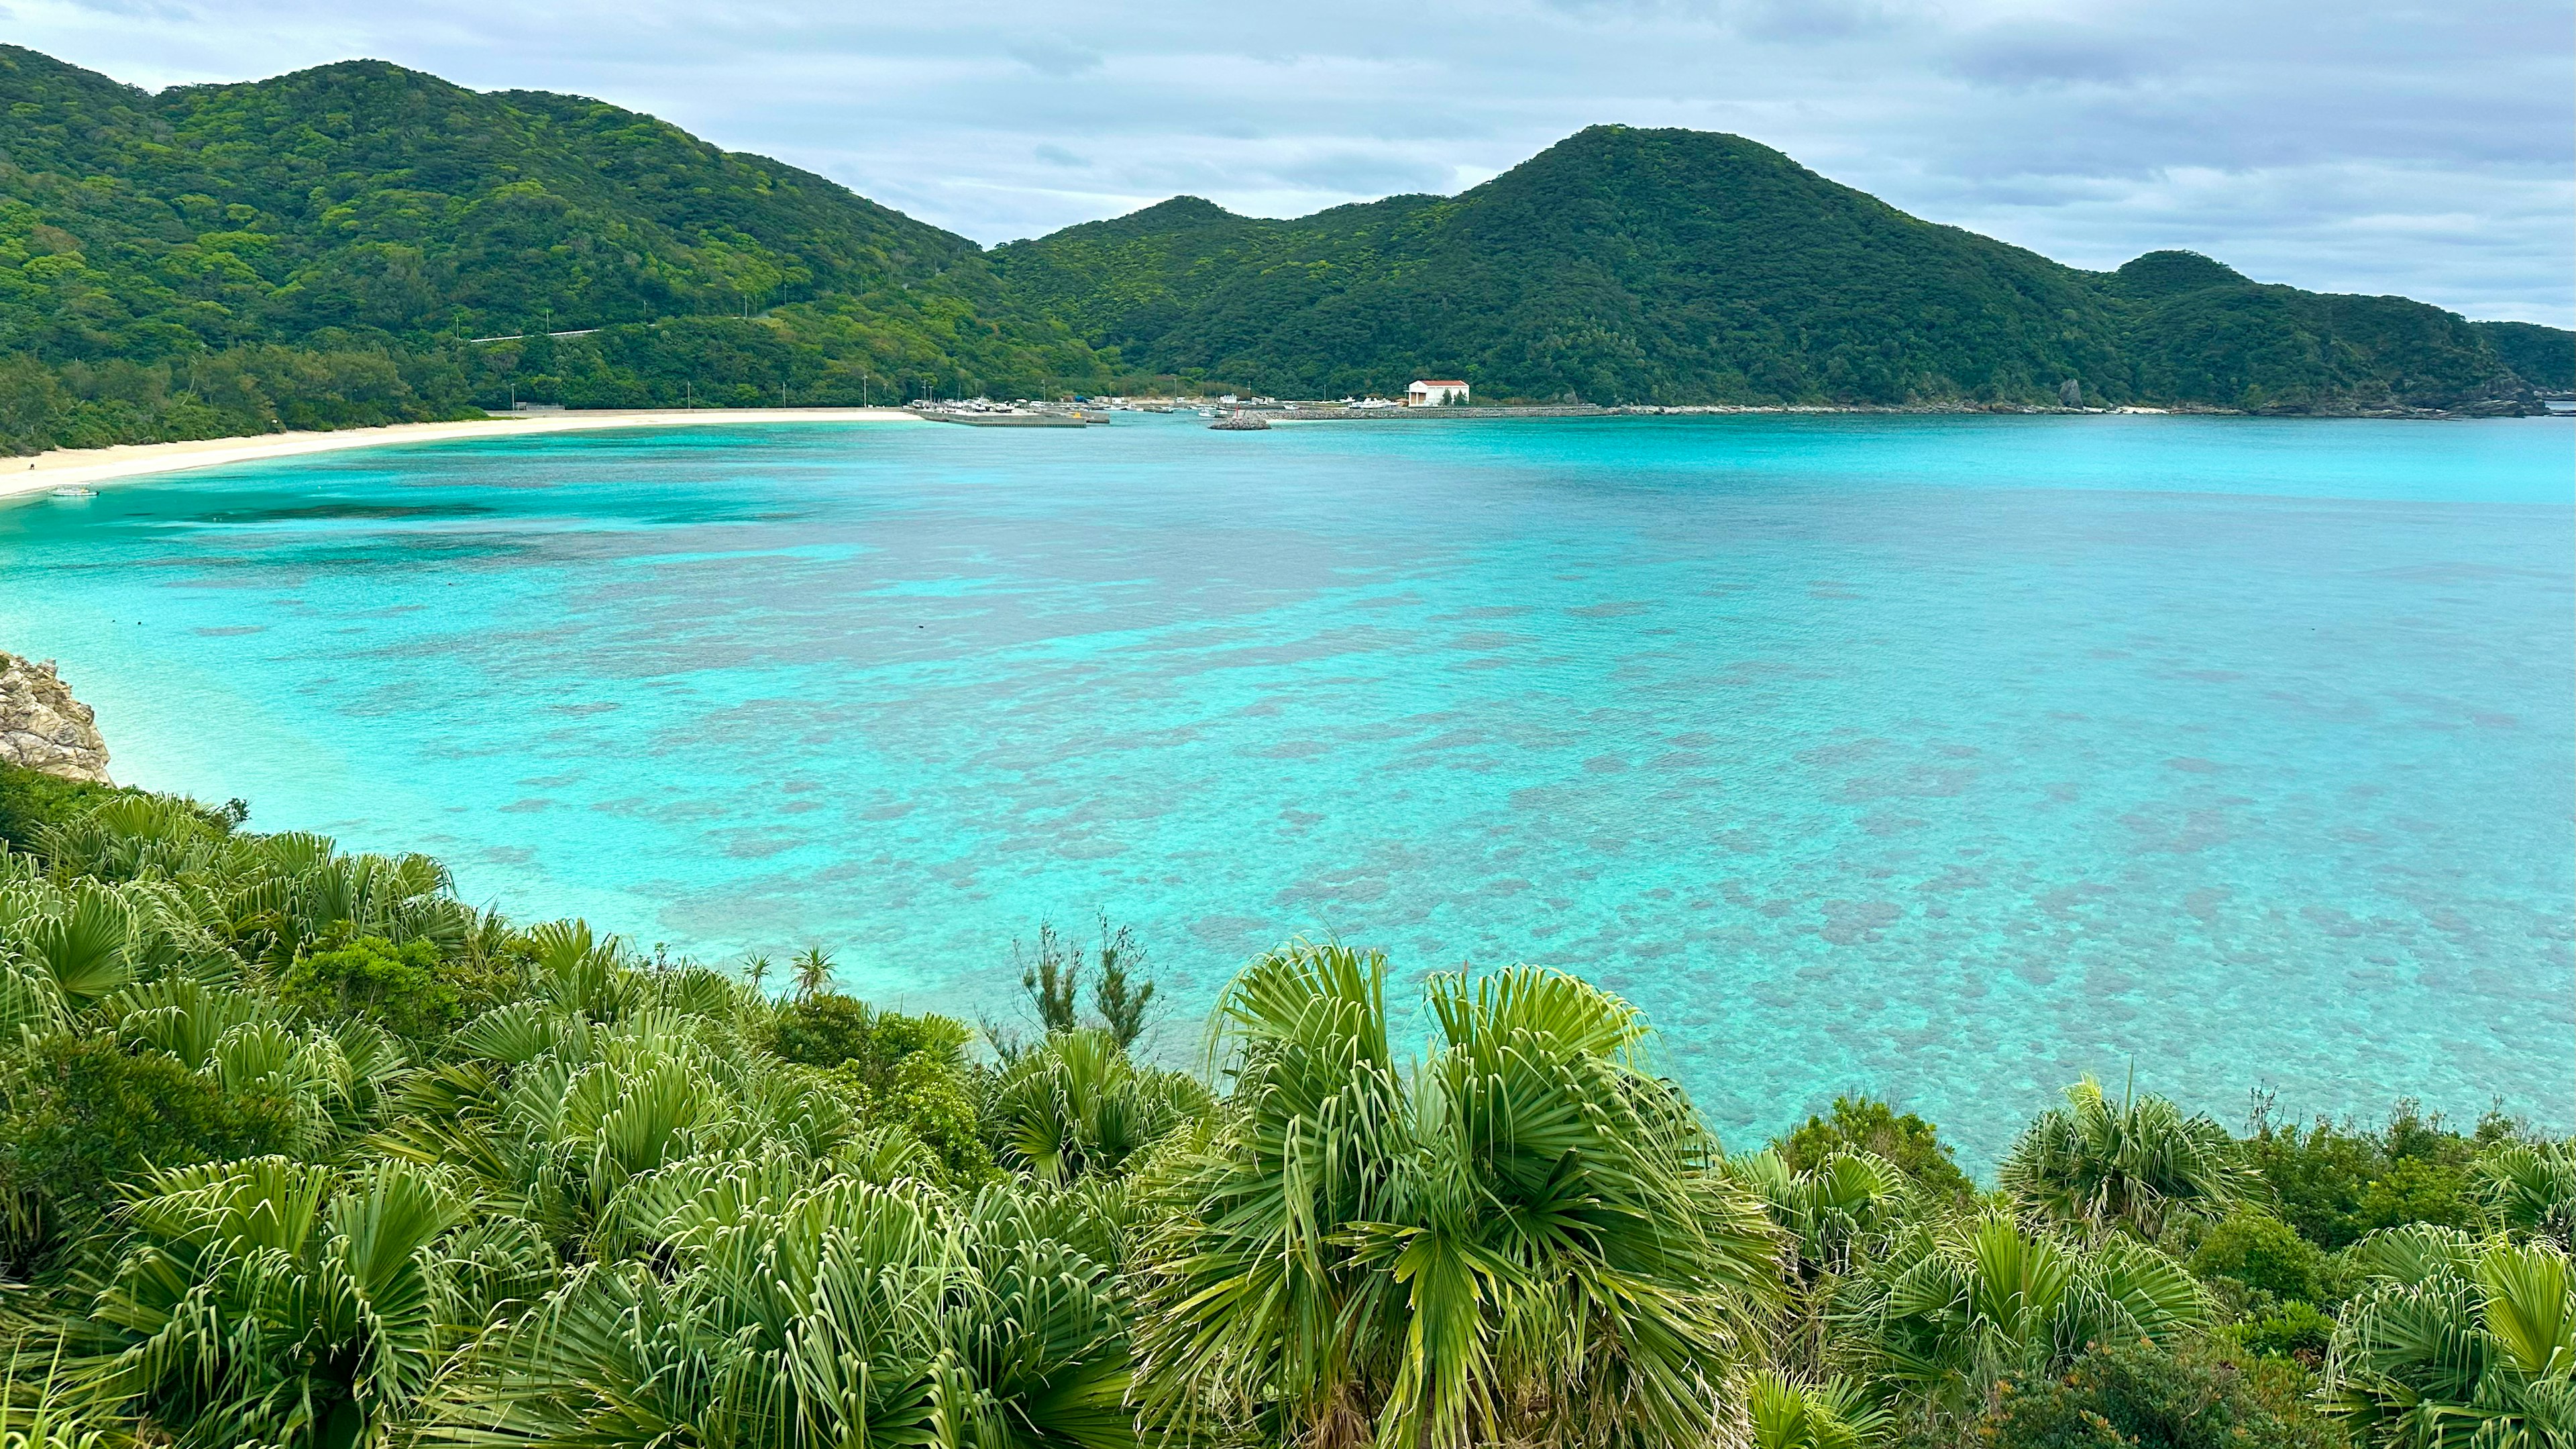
column 2368, row 145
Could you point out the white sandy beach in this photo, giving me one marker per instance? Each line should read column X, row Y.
column 65, row 467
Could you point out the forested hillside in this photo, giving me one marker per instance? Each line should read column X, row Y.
column 341, row 246
column 1627, row 265
column 299, row 1150
column 316, row 250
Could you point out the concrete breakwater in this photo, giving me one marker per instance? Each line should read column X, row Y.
column 1309, row 413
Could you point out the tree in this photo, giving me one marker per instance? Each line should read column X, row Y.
column 2135, row 1165
column 1051, row 976
column 1833, row 1218
column 1527, row 1239
column 1122, row 1006
column 813, row 968
column 1823, row 1414
column 2258, row 1251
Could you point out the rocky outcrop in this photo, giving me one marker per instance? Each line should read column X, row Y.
column 42, row 727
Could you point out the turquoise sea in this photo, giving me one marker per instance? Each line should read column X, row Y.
column 1942, row 757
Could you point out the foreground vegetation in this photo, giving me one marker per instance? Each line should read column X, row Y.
column 297, row 1149
column 360, row 244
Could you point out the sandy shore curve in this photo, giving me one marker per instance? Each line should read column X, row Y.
column 86, row 467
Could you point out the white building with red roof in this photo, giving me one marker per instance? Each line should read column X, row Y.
column 1435, row 393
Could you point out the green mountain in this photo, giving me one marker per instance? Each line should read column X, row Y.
column 1682, row 266
column 317, row 249
column 360, row 243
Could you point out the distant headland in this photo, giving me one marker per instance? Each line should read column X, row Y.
column 359, row 245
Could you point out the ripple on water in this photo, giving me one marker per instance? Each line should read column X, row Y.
column 1919, row 755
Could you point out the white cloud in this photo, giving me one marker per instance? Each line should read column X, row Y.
column 2380, row 145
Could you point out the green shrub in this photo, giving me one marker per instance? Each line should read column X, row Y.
column 827, row 1029
column 934, row 1100
column 400, row 987
column 31, row 800
column 907, row 1071
column 2293, row 1331
column 86, row 1115
column 1866, row 1124
column 2336, row 1182
column 2256, row 1250
column 2413, row 1190
column 2136, row 1394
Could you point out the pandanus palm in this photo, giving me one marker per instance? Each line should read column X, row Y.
column 1526, row 1237
column 2457, row 1344
column 1959, row 1304
column 1833, row 1217
column 1075, row 1106
column 276, row 1303
column 2137, row 1163
column 2528, row 1188
column 1823, row 1414
column 782, row 1313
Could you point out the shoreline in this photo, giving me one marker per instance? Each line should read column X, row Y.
column 65, row 467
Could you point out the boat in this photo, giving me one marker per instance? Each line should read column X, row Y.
column 74, row 490
column 1241, row 422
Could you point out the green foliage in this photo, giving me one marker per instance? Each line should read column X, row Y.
column 2336, row 1182
column 909, row 1071
column 782, row 1315
column 2128, row 1393
column 87, row 1113
column 295, row 1149
column 318, row 250
column 1825, row 1414
column 1960, row 1304
column 1123, row 1003
column 1051, row 976
column 2137, row 1164
column 1076, row 1107
column 272, row 1302
column 31, row 801
column 1529, row 1240
column 358, row 244
column 2298, row 1331
column 2457, row 1342
column 398, row 986
column 1627, row 265
column 2413, row 1190
column 2257, row 1251
column 828, row 1029
column 2544, row 357
column 1866, row 1124
column 2530, row 1188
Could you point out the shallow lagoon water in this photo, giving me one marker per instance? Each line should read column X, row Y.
column 1942, row 757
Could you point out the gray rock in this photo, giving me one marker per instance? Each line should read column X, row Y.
column 42, row 727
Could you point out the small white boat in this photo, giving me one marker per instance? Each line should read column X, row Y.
column 74, row 490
